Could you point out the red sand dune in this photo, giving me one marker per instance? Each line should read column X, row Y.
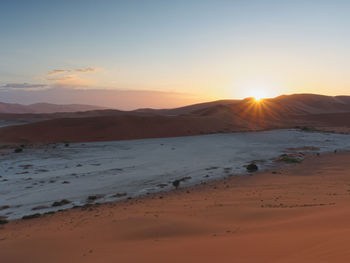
column 221, row 116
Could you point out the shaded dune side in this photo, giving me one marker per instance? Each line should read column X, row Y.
column 245, row 115
column 121, row 128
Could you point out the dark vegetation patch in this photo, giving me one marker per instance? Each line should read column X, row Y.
column 117, row 195
column 289, row 159
column 252, row 167
column 3, row 221
column 18, row 150
column 92, row 198
column 39, row 207
column 176, row 183
column 32, row 216
column 61, row 203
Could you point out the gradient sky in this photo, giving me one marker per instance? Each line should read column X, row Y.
column 170, row 53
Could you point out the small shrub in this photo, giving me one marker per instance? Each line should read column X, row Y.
column 117, row 195
column 176, row 183
column 252, row 167
column 94, row 197
column 61, row 203
column 308, row 129
column 37, row 215
column 3, row 221
column 18, row 150
column 289, row 159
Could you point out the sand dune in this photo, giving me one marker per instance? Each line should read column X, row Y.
column 299, row 214
column 221, row 116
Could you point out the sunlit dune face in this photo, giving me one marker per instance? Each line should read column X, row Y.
column 260, row 110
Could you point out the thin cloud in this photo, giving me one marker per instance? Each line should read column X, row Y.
column 79, row 70
column 22, row 86
column 86, row 70
column 58, row 71
column 71, row 80
column 63, row 78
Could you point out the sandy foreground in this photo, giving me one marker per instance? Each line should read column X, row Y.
column 300, row 214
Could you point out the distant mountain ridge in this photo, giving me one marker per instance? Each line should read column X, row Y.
column 39, row 108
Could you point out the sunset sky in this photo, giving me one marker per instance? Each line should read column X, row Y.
column 130, row 54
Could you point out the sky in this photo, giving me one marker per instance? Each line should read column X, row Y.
column 131, row 54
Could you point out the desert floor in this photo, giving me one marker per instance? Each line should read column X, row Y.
column 299, row 214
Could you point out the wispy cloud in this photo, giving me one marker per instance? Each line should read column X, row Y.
column 84, row 70
column 79, row 70
column 58, row 71
column 22, row 86
column 71, row 77
column 71, row 80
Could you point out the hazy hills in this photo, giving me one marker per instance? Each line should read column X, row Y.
column 44, row 108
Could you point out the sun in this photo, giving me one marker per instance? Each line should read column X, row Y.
column 258, row 98
column 258, row 95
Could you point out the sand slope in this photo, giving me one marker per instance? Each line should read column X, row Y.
column 298, row 215
column 221, row 116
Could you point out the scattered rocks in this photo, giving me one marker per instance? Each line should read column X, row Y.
column 65, row 182
column 162, row 185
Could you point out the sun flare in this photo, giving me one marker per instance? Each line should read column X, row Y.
column 258, row 98
column 258, row 95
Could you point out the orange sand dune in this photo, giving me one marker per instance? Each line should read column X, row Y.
column 300, row 214
column 220, row 116
column 124, row 127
